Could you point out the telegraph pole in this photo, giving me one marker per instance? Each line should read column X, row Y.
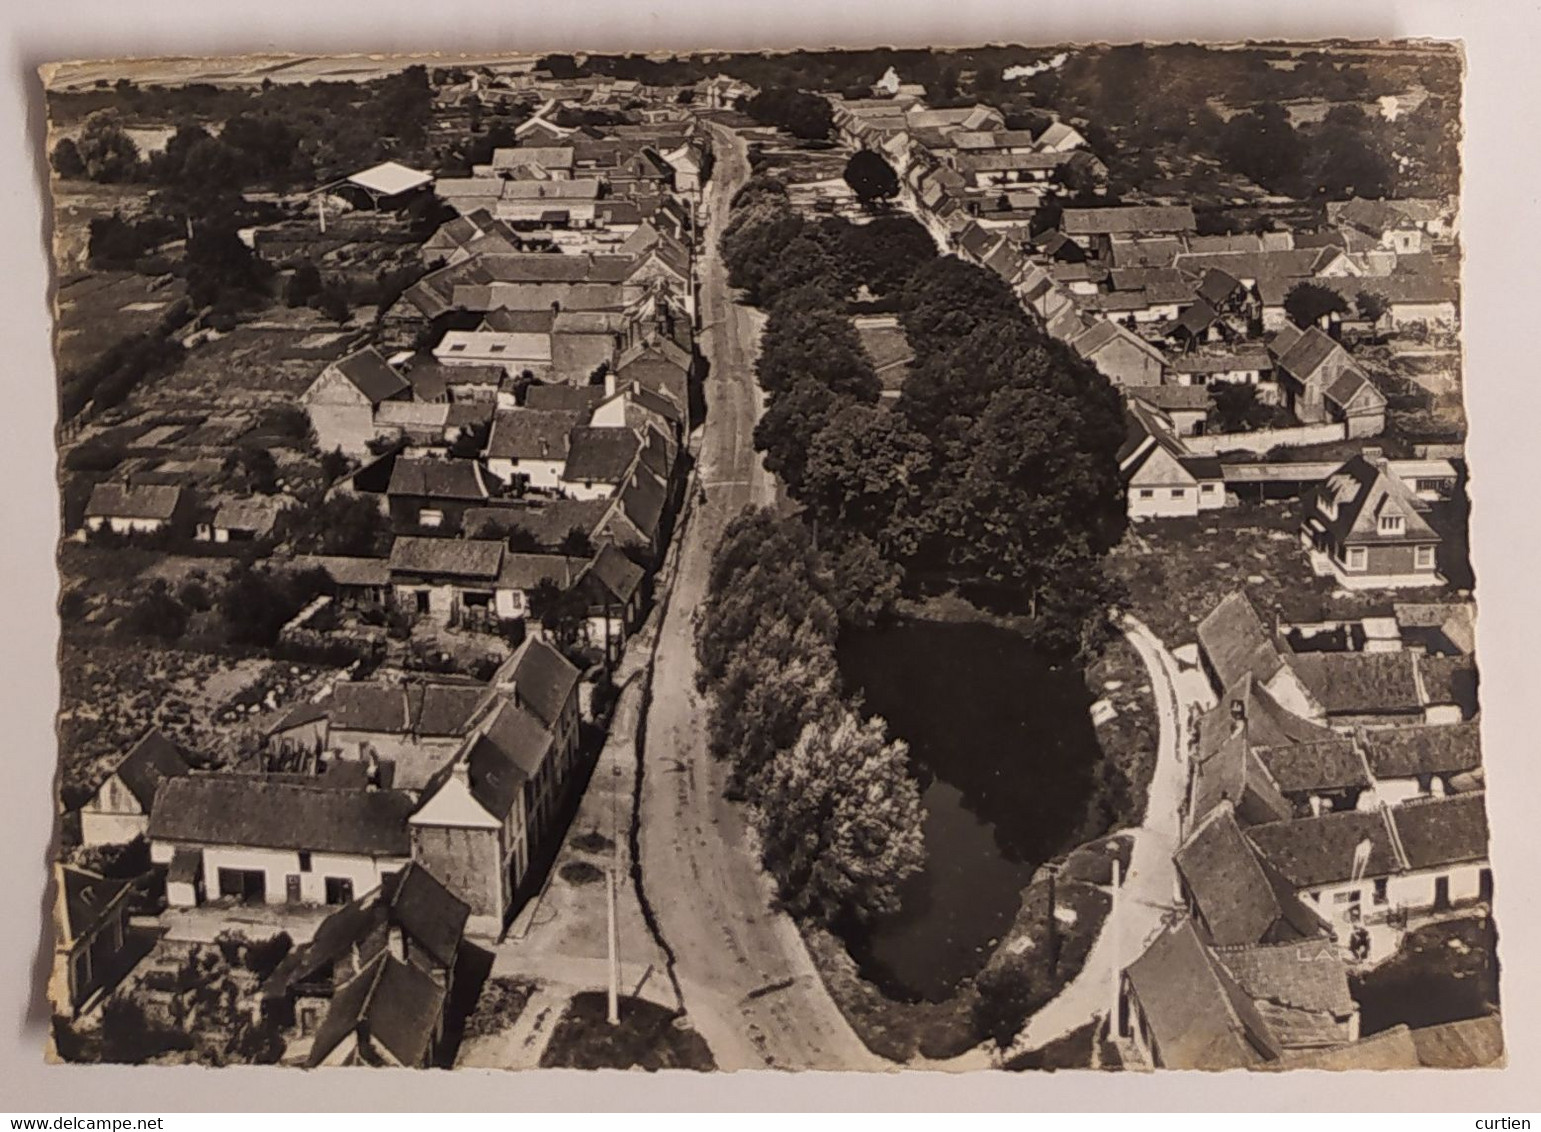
column 1115, row 989
column 612, row 937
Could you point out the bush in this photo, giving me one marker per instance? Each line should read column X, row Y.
column 158, row 614
column 131, row 1037
column 264, row 955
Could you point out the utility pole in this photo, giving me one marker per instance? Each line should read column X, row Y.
column 1115, row 990
column 612, row 937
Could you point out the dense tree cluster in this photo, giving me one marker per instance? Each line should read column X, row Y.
column 837, row 813
column 803, row 115
column 995, row 471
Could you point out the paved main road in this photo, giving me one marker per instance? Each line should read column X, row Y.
column 745, row 976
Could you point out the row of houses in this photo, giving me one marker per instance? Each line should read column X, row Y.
column 1328, row 811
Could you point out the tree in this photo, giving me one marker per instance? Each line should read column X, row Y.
column 1263, row 145
column 1308, row 304
column 158, row 613
column 221, row 269
column 803, row 115
column 839, row 819
column 303, row 286
column 576, row 544
column 66, row 160
column 871, row 178
column 789, row 424
column 106, row 151
column 257, row 468
column 256, row 604
column 341, row 524
column 887, row 251
column 1372, row 307
column 863, row 584
column 1008, row 995
column 131, row 1037
column 333, row 302
column 1234, row 407
column 773, row 684
column 867, row 474
column 334, row 465
column 814, row 343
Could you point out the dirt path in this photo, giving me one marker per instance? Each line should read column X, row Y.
column 1149, row 892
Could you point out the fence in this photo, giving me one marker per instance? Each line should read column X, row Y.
column 1265, row 439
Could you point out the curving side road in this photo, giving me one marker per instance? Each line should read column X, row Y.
column 1149, row 892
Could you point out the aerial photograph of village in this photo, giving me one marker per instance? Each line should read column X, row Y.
column 861, row 559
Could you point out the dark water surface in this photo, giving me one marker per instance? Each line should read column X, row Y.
column 1003, row 748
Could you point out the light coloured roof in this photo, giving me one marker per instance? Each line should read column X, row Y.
column 389, row 178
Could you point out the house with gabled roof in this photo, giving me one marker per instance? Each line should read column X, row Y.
column 341, row 401
column 1233, row 645
column 599, row 461
column 1422, row 856
column 90, row 936
column 491, row 812
column 1424, row 761
column 531, row 445
column 262, row 840
column 1366, row 529
column 1233, row 893
column 450, row 580
column 134, row 508
column 1162, row 478
column 1300, row 989
column 432, row 494
column 1321, row 383
column 1180, row 1008
column 411, row 917
column 389, row 1014
column 119, row 809
column 1120, row 354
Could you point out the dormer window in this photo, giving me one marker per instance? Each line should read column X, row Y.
column 1391, row 524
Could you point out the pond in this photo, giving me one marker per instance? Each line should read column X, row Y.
column 1003, row 747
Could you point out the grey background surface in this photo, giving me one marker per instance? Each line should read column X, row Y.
column 1502, row 228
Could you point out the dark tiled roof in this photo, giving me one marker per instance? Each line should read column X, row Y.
column 395, row 1004
column 600, row 455
column 1348, row 683
column 1322, row 766
column 1304, row 974
column 1198, row 1016
column 133, row 501
column 1407, row 752
column 1240, row 899
column 150, row 762
column 526, row 571
column 1443, row 831
column 618, row 574
column 532, row 434
column 542, row 678
column 1449, row 679
column 564, row 398
column 1234, row 640
column 88, row 897
column 1131, row 219
column 345, row 570
column 246, row 810
column 371, row 374
column 1320, row 850
column 548, row 521
column 426, row 478
column 454, row 557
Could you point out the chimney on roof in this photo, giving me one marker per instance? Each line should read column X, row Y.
column 1238, row 716
column 461, row 770
column 609, row 382
column 1375, row 454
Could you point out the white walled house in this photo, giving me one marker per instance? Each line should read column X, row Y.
column 1366, row 866
column 532, row 444
column 132, row 509
column 1162, row 479
column 341, row 401
column 263, row 841
column 119, row 810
